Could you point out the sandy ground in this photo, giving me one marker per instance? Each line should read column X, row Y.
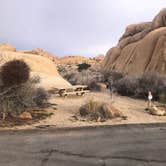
column 134, row 109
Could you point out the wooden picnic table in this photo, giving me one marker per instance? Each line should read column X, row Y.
column 78, row 90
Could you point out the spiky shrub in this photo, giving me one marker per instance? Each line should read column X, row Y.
column 14, row 72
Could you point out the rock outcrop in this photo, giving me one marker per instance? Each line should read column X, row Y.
column 39, row 65
column 76, row 59
column 142, row 48
column 66, row 60
column 7, row 47
column 41, row 52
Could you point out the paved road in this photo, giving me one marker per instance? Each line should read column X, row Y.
column 135, row 145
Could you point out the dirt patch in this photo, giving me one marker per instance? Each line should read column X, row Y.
column 67, row 108
column 37, row 116
column 132, row 109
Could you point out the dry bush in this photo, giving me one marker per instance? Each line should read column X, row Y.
column 98, row 111
column 41, row 97
column 113, row 76
column 127, row 86
column 98, row 87
column 17, row 99
column 22, row 97
column 19, row 94
column 139, row 87
column 154, row 82
column 35, row 79
column 14, row 72
column 111, row 79
column 162, row 97
column 84, row 77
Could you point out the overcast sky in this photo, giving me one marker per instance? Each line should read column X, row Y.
column 71, row 27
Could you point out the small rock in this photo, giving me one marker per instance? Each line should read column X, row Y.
column 157, row 111
column 25, row 115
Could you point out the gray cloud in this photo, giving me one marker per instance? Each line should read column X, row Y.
column 84, row 27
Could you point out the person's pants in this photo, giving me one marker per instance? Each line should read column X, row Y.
column 149, row 103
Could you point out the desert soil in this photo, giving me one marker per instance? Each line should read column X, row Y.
column 134, row 109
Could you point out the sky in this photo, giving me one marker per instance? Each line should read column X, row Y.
column 71, row 27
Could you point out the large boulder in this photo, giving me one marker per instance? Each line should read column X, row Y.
column 7, row 47
column 41, row 52
column 40, row 66
column 142, row 48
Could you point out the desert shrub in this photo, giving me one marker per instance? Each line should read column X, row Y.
column 85, row 77
column 98, row 111
column 139, row 87
column 112, row 76
column 127, row 86
column 41, row 97
column 24, row 97
column 14, row 72
column 17, row 99
column 35, row 79
column 97, row 86
column 83, row 66
column 65, row 70
column 19, row 94
column 152, row 81
column 111, row 79
column 91, row 77
column 162, row 97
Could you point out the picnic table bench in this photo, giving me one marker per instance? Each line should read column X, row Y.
column 78, row 90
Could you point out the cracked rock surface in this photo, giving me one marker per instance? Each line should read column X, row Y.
column 129, row 145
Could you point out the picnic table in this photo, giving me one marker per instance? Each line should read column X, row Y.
column 78, row 90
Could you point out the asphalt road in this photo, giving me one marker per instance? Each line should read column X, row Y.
column 130, row 145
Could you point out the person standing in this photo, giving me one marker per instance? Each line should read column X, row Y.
column 150, row 97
